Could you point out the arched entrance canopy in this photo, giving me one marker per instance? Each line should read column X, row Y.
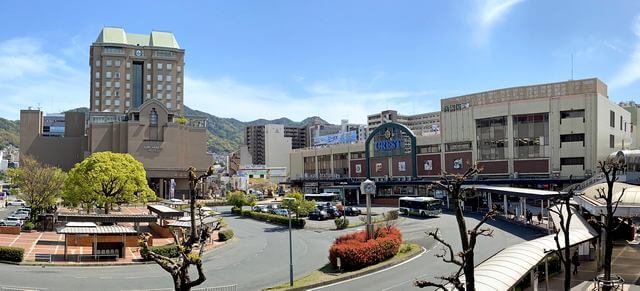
column 388, row 143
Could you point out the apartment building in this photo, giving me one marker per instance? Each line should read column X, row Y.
column 128, row 69
column 634, row 110
column 546, row 135
column 259, row 137
column 420, row 124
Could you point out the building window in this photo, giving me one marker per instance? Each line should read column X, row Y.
column 578, row 137
column 128, row 95
column 148, row 66
column 178, row 97
column 108, row 84
column 168, row 87
column 148, row 87
column 107, row 93
column 117, row 63
column 107, row 102
column 620, row 122
column 128, row 65
column 178, row 106
column 159, row 66
column 127, row 103
column 117, row 84
column 159, row 87
column 138, row 76
column 433, row 148
column 612, row 141
column 168, row 105
column 97, row 102
column 159, row 78
column 169, row 66
column 168, row 96
column 179, row 68
column 127, row 85
column 572, row 114
column 359, row 155
column 169, row 78
column 572, row 162
column 159, row 96
column 148, row 95
column 612, row 118
column 179, row 80
column 492, row 138
column 148, row 77
column 97, row 84
column 531, row 135
column 458, row 146
column 116, row 75
column 116, row 102
column 97, row 93
column 98, row 63
column 108, row 74
column 128, row 76
column 113, row 50
column 153, row 117
column 625, row 126
column 109, row 63
column 116, row 110
column 116, row 93
column 179, row 89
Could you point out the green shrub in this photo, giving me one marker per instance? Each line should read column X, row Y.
column 28, row 226
column 11, row 254
column 170, row 251
column 225, row 235
column 405, row 248
column 341, row 223
column 277, row 219
column 392, row 215
column 215, row 203
column 236, row 210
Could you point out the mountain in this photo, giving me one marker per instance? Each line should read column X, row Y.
column 227, row 134
column 9, row 133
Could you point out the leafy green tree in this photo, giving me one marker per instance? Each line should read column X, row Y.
column 237, row 199
column 299, row 205
column 107, row 178
column 39, row 185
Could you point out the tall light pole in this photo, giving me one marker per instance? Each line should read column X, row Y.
column 290, row 201
column 368, row 187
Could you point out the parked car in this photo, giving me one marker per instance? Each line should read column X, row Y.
column 19, row 215
column 283, row 212
column 333, row 212
column 352, row 211
column 260, row 208
column 318, row 215
column 17, row 202
column 10, row 223
column 26, row 210
column 14, row 220
column 272, row 208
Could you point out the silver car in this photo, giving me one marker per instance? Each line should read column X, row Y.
column 12, row 221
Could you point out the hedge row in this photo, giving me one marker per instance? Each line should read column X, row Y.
column 170, row 251
column 356, row 252
column 268, row 217
column 225, row 235
column 11, row 254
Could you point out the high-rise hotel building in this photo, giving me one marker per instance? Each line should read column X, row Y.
column 128, row 69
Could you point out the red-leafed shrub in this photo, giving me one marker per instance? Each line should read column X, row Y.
column 355, row 252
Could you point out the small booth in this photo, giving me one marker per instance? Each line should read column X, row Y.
column 105, row 241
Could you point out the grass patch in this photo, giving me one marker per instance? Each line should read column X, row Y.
column 357, row 223
column 328, row 272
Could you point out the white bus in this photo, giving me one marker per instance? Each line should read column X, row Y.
column 423, row 206
column 323, row 197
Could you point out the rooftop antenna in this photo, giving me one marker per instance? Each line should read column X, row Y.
column 572, row 66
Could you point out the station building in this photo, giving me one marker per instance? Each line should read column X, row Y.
column 538, row 136
column 135, row 107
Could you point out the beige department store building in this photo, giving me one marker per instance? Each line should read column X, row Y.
column 144, row 119
column 535, row 135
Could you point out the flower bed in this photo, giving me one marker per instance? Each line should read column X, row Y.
column 356, row 252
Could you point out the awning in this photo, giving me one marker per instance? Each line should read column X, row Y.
column 106, row 218
column 164, row 211
column 506, row 268
column 515, row 191
column 113, row 229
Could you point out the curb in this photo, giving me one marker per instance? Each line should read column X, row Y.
column 352, row 276
column 47, row 264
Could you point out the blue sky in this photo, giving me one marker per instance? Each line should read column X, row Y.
column 335, row 59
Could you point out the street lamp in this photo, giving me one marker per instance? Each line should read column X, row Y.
column 368, row 187
column 290, row 201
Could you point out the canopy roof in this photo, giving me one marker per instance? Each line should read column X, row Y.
column 506, row 268
column 164, row 211
column 629, row 202
column 515, row 191
column 112, row 229
column 108, row 218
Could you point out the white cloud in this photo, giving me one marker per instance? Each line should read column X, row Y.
column 33, row 76
column 630, row 72
column 489, row 13
column 333, row 101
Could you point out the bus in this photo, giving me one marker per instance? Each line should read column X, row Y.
column 423, row 206
column 323, row 197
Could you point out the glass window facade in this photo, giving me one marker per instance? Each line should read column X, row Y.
column 340, row 165
column 531, row 136
column 492, row 138
column 137, row 84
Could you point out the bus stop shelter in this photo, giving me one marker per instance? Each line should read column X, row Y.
column 164, row 212
column 105, row 241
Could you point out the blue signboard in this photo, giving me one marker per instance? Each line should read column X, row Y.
column 347, row 137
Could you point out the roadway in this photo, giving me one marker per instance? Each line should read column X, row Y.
column 259, row 258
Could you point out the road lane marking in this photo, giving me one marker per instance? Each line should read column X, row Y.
column 374, row 273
